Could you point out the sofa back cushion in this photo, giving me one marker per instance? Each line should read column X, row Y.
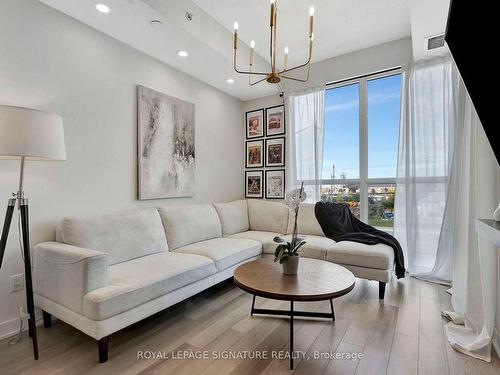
column 267, row 216
column 123, row 235
column 306, row 222
column 190, row 223
column 233, row 216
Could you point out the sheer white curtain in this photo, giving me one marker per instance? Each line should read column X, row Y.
column 306, row 110
column 426, row 146
column 476, row 176
column 447, row 178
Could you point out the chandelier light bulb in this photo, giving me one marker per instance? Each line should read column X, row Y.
column 312, row 37
column 286, row 50
column 236, row 26
column 311, row 11
column 252, row 44
column 273, row 1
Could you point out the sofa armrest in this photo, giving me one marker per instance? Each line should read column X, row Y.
column 65, row 273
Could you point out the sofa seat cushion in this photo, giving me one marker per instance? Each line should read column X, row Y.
column 265, row 238
column 377, row 256
column 143, row 279
column 315, row 247
column 225, row 252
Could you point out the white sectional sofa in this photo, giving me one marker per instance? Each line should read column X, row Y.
column 106, row 272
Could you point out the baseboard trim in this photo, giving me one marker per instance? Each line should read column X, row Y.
column 11, row 327
column 496, row 340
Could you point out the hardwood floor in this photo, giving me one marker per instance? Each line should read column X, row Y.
column 402, row 334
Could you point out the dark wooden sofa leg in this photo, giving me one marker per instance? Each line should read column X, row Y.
column 47, row 319
column 102, row 346
column 381, row 290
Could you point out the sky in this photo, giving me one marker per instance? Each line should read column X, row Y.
column 341, row 133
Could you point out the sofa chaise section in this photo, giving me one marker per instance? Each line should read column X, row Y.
column 372, row 262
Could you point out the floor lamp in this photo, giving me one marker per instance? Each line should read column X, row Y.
column 27, row 134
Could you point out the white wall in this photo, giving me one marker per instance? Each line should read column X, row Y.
column 365, row 61
column 51, row 62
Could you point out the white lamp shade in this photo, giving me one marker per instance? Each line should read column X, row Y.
column 36, row 135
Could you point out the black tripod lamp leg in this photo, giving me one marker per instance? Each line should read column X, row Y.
column 27, row 269
column 6, row 227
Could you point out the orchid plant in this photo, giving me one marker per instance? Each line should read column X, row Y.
column 293, row 199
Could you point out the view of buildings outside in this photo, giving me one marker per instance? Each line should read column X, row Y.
column 380, row 201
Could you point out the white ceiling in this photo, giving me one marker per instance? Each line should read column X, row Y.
column 341, row 26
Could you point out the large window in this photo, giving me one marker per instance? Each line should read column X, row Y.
column 360, row 146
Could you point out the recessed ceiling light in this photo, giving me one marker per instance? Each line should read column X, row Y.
column 103, row 8
column 182, row 53
column 229, row 80
column 157, row 24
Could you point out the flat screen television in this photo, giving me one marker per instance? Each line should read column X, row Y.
column 471, row 34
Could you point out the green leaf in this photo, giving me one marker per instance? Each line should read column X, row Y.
column 278, row 239
column 278, row 249
column 281, row 252
column 296, row 250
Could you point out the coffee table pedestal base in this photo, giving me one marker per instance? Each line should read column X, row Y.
column 291, row 313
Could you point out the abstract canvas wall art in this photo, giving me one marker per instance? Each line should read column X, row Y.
column 166, row 145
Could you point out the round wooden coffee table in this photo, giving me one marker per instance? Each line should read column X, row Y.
column 317, row 280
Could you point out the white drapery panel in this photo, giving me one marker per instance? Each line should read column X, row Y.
column 305, row 125
column 476, row 175
column 426, row 145
column 447, row 178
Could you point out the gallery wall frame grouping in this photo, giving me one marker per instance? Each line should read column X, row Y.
column 264, row 152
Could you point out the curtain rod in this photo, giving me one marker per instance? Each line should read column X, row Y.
column 364, row 75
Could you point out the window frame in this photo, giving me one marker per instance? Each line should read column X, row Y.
column 364, row 181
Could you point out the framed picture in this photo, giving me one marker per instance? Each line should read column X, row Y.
column 254, row 184
column 166, row 146
column 255, row 124
column 275, row 152
column 275, row 184
column 275, row 120
column 254, row 154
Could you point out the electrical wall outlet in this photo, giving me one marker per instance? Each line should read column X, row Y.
column 17, row 283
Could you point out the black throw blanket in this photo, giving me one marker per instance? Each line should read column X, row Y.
column 339, row 224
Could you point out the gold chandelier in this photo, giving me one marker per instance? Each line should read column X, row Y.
column 275, row 76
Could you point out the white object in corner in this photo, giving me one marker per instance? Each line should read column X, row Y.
column 496, row 214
